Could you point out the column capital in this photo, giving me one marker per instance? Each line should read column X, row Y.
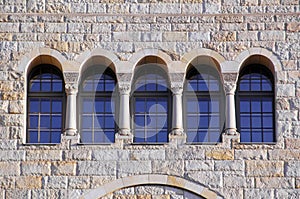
column 229, row 88
column 71, row 77
column 71, row 88
column 124, row 88
column 230, row 82
column 177, row 88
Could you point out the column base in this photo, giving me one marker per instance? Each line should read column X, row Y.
column 71, row 132
column 177, row 132
column 231, row 131
column 124, row 132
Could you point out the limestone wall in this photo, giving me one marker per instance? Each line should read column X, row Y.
column 69, row 33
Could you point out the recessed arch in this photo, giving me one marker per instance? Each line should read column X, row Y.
column 140, row 55
column 150, row 180
column 202, row 52
column 258, row 56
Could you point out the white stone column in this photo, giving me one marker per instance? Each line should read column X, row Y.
column 230, row 86
column 70, row 125
column 124, row 114
column 177, row 117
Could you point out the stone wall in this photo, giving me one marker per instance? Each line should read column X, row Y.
column 68, row 33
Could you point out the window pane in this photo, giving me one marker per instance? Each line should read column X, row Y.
column 87, row 137
column 99, row 122
column 56, row 106
column 56, row 122
column 214, row 137
column 139, row 120
column 192, row 136
column 245, row 136
column 55, row 137
column 267, row 105
column 192, row 105
column 35, row 85
column 245, row 121
column 256, row 121
column 34, row 105
column 268, row 121
column 139, row 136
column 46, row 85
column 245, row 105
column 203, row 106
column 109, row 136
column 203, row 121
column 109, row 122
column 139, row 105
column 256, row 136
column 268, row 136
column 214, row 122
column 202, row 136
column 162, row 136
column 99, row 105
column 33, row 137
column 45, row 121
column 87, row 122
column 45, row 137
column 244, row 85
column 256, row 105
column 34, row 121
column 87, row 106
column 45, row 106
column 151, row 136
column 57, row 85
column 192, row 122
column 99, row 137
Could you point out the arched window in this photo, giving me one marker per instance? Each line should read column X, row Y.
column 45, row 96
column 203, row 105
column 97, row 106
column 255, row 104
column 151, row 105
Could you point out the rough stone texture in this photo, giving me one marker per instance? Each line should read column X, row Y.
column 68, row 32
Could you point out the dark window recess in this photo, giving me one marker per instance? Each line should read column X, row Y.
column 255, row 105
column 203, row 105
column 151, row 102
column 45, row 105
column 97, row 106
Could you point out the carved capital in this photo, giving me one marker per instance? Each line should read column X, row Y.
column 177, row 88
column 124, row 77
column 230, row 77
column 176, row 77
column 71, row 88
column 71, row 77
column 124, row 88
column 229, row 87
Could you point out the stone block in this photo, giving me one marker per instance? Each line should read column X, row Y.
column 12, row 155
column 133, row 167
column 233, row 181
column 292, row 168
column 101, row 28
column 80, row 182
column 272, row 35
column 229, row 165
column 246, row 154
column 44, row 155
column 139, row 8
column 283, row 154
column 220, row 154
column 293, row 27
column 9, row 169
column 126, row 36
column 97, row 181
column 297, row 183
column 32, row 27
column 192, row 8
column 42, row 193
column 185, row 154
column 55, row 182
column 264, row 168
column 168, row 167
column 56, row 27
column 29, row 182
column 274, row 183
column 223, row 36
column 199, row 36
column 285, row 90
column 81, row 154
column 287, row 115
column 9, row 27
column 166, row 8
column 100, row 168
column 292, row 143
column 196, row 165
column 118, row 8
column 212, row 7
column 104, row 155
column 213, row 179
column 96, row 8
column 259, row 193
column 78, row 7
column 15, row 193
column 174, row 36
column 247, row 36
column 7, row 182
column 35, row 168
column 79, row 28
column 151, row 36
column 287, row 193
column 64, row 168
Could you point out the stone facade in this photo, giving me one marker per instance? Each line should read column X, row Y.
column 73, row 35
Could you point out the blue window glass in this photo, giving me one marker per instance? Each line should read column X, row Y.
column 97, row 106
column 45, row 105
column 255, row 105
column 204, row 109
column 151, row 99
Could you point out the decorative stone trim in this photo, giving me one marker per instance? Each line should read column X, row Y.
column 124, row 88
column 151, row 179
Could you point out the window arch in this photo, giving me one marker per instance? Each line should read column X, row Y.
column 203, row 105
column 97, row 106
column 255, row 104
column 46, row 105
column 150, row 105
